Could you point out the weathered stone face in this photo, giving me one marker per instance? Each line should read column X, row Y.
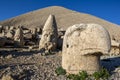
column 82, row 46
column 115, row 48
column 49, row 35
column 18, row 38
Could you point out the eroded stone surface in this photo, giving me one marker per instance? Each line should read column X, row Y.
column 10, row 34
column 49, row 35
column 18, row 38
column 7, row 77
column 115, row 48
column 82, row 47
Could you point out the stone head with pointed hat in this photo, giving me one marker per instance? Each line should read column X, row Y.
column 49, row 34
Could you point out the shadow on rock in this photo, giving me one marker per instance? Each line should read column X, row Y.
column 111, row 63
column 18, row 52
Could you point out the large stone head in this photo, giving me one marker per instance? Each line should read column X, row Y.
column 87, row 39
column 83, row 44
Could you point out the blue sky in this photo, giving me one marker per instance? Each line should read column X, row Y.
column 105, row 9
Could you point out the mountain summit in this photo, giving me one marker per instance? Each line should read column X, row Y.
column 64, row 18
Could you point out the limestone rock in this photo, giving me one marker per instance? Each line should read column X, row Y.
column 7, row 77
column 9, row 56
column 26, row 31
column 7, row 28
column 34, row 31
column 115, row 43
column 83, row 45
column 11, row 28
column 28, row 36
column 18, row 38
column 2, row 34
column 115, row 48
column 49, row 35
column 10, row 34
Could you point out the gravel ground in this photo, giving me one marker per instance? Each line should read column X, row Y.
column 29, row 65
column 23, row 64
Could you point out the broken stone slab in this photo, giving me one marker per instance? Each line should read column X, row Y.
column 83, row 45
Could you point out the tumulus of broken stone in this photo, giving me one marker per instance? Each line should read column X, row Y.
column 49, row 36
column 82, row 47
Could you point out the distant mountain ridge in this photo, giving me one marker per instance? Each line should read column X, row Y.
column 64, row 18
